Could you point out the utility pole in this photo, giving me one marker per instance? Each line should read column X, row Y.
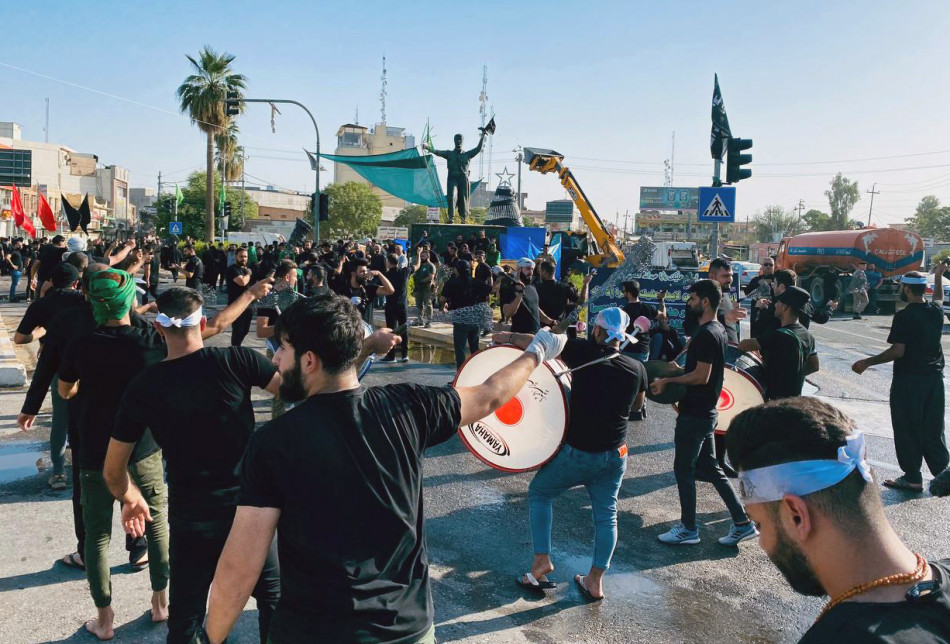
column 872, row 192
column 800, row 207
column 243, row 165
column 519, row 159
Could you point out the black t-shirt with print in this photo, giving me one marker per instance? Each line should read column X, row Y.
column 601, row 395
column 345, row 470
column 925, row 620
column 198, row 408
column 527, row 318
column 104, row 362
column 919, row 327
column 43, row 310
column 708, row 344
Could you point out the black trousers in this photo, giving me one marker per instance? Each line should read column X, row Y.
column 917, row 407
column 198, row 529
column 395, row 316
column 241, row 327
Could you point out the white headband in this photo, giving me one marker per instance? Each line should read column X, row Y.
column 192, row 320
column 772, row 483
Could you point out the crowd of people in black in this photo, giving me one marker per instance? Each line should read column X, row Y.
column 218, row 510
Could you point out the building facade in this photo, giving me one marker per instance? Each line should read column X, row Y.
column 562, row 214
column 356, row 140
column 57, row 171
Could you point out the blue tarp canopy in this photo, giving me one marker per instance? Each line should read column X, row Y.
column 522, row 242
column 405, row 174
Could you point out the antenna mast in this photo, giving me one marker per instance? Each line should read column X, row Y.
column 382, row 94
column 483, row 113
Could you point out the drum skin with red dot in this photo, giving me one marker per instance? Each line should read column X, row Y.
column 527, row 431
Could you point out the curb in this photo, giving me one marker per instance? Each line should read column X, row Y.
column 12, row 373
column 439, row 333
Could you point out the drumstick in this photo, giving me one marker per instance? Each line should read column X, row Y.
column 587, row 364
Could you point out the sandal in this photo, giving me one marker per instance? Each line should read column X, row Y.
column 534, row 584
column 579, row 581
column 72, row 560
column 901, row 483
column 58, row 482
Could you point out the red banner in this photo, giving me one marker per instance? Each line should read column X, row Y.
column 45, row 214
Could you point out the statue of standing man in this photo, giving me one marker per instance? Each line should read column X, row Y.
column 458, row 189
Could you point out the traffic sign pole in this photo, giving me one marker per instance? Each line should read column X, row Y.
column 714, row 246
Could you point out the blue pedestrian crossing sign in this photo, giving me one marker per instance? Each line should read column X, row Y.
column 717, row 204
column 174, row 227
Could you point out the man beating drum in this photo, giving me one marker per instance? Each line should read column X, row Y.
column 789, row 352
column 605, row 385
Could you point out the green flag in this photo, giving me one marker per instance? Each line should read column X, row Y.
column 222, row 198
column 179, row 196
column 720, row 124
column 428, row 136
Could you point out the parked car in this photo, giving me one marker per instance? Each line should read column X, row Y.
column 743, row 272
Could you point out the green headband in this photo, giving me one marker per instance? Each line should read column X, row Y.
column 112, row 293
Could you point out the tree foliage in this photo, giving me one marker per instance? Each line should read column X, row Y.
column 355, row 210
column 842, row 196
column 191, row 212
column 775, row 221
column 201, row 96
column 816, row 221
column 409, row 215
column 930, row 219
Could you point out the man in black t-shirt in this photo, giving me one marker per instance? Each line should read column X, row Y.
column 917, row 395
column 238, row 278
column 695, row 455
column 194, row 269
column 49, row 256
column 197, row 405
column 346, row 576
column 789, row 352
column 557, row 299
column 356, row 286
column 594, row 453
column 805, row 480
column 462, row 291
column 519, row 300
column 153, row 263
column 397, row 310
column 96, row 369
column 637, row 309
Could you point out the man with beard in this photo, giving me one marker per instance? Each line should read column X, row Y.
column 556, row 298
column 805, row 481
column 520, row 302
column 759, row 288
column 238, row 279
column 194, row 269
column 462, row 291
column 347, row 576
column 917, row 394
column 767, row 320
column 789, row 352
column 356, row 287
column 197, row 405
column 728, row 314
column 694, row 456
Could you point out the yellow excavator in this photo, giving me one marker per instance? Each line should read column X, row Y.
column 599, row 249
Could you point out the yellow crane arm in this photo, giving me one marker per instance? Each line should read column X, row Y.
column 545, row 161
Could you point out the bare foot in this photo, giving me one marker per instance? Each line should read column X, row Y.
column 101, row 627
column 541, row 572
column 160, row 605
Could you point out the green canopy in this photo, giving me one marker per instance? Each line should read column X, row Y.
column 405, row 174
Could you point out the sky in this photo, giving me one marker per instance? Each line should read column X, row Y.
column 820, row 87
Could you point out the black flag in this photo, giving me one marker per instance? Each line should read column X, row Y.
column 489, row 127
column 720, row 124
column 84, row 216
column 72, row 215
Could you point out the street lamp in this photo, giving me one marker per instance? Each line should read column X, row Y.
column 233, row 100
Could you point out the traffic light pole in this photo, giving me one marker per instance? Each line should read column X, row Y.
column 714, row 246
column 316, row 204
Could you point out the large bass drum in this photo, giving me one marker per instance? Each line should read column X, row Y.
column 527, row 431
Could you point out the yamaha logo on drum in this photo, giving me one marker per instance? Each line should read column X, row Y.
column 489, row 439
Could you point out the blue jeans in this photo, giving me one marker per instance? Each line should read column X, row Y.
column 695, row 459
column 601, row 473
column 14, row 280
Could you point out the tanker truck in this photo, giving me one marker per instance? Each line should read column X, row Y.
column 824, row 261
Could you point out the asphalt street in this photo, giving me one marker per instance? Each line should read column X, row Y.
column 478, row 537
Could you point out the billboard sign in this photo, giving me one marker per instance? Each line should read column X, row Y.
column 667, row 198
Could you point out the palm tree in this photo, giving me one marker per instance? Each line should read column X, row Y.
column 202, row 96
column 229, row 155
